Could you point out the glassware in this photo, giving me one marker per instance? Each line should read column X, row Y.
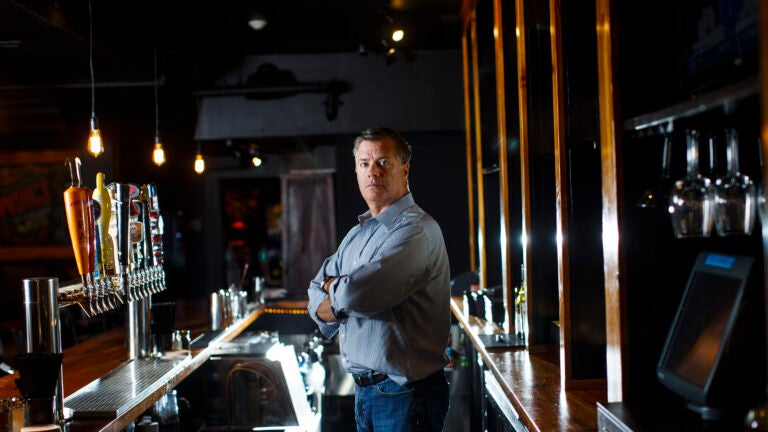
column 757, row 418
column 735, row 195
column 166, row 410
column 5, row 415
column 691, row 200
column 19, row 414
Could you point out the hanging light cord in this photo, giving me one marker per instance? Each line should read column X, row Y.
column 90, row 57
column 157, row 115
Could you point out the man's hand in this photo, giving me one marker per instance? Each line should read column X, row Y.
column 324, row 311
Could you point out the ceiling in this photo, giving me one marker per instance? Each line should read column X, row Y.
column 46, row 89
column 47, row 42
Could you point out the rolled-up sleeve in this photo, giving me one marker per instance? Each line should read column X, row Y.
column 316, row 297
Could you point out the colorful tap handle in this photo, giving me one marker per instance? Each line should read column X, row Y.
column 77, row 207
column 101, row 196
column 155, row 224
column 122, row 213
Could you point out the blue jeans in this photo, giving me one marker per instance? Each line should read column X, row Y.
column 420, row 406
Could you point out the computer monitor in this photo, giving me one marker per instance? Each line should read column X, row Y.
column 711, row 358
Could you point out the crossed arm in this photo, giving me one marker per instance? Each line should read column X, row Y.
column 324, row 310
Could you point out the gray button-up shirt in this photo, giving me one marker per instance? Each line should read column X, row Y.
column 392, row 295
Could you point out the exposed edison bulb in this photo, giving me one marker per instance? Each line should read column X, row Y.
column 95, row 146
column 199, row 164
column 158, row 154
column 256, row 161
column 398, row 35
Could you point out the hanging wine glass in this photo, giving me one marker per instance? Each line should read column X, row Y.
column 653, row 195
column 691, row 201
column 762, row 204
column 735, row 194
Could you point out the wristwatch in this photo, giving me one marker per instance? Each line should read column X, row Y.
column 325, row 281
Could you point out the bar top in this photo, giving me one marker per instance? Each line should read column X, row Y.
column 94, row 358
column 531, row 382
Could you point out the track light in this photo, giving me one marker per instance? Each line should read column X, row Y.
column 257, row 20
column 398, row 35
column 256, row 160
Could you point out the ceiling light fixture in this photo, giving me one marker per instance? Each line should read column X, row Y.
column 95, row 143
column 158, row 154
column 256, row 160
column 396, row 32
column 398, row 35
column 199, row 162
column 257, row 20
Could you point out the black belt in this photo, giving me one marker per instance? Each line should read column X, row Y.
column 369, row 378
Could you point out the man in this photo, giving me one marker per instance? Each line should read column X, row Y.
column 386, row 291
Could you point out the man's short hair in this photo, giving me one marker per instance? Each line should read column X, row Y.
column 402, row 148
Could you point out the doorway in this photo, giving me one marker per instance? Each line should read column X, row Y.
column 251, row 231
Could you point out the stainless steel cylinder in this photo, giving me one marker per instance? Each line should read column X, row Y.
column 41, row 309
column 258, row 289
column 43, row 328
column 137, row 328
column 216, row 311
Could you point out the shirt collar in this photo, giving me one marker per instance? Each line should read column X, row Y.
column 388, row 216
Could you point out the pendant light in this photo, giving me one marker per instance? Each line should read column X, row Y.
column 158, row 154
column 95, row 144
column 199, row 162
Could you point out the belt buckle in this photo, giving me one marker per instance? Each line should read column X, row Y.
column 369, row 378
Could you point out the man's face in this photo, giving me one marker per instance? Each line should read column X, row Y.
column 381, row 177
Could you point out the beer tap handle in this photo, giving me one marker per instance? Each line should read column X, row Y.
column 155, row 224
column 78, row 210
column 123, row 252
column 105, row 263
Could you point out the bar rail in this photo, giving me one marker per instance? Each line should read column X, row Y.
column 94, row 358
column 531, row 381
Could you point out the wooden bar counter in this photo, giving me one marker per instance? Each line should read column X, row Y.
column 94, row 358
column 531, row 382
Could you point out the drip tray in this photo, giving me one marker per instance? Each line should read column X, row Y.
column 121, row 389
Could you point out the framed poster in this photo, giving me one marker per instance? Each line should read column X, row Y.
column 33, row 223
